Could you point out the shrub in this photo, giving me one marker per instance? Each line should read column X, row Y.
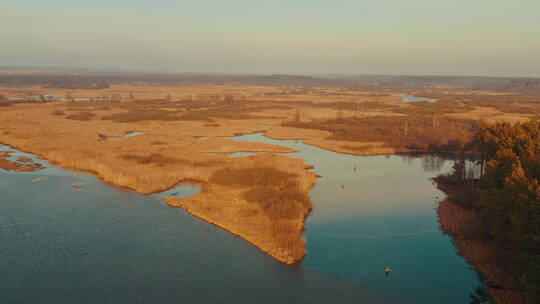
column 81, row 115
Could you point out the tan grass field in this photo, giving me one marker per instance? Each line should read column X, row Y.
column 127, row 92
column 492, row 115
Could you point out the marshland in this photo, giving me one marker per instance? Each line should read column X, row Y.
column 269, row 152
column 314, row 182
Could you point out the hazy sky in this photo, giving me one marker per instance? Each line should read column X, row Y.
column 457, row 37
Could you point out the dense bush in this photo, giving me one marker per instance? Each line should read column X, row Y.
column 154, row 159
column 82, row 115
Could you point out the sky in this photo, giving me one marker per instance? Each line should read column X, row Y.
column 309, row 37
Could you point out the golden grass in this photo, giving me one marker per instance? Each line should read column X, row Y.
column 491, row 115
column 264, row 205
column 154, row 159
column 354, row 147
column 58, row 113
column 458, row 221
column 167, row 154
column 188, row 92
column 262, row 198
column 81, row 115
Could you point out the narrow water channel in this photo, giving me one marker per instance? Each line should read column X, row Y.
column 370, row 212
column 408, row 99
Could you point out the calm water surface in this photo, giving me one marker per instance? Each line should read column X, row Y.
column 385, row 215
column 101, row 244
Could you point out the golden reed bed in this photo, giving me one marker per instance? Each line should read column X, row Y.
column 185, row 132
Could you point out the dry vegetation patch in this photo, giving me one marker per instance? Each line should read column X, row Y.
column 264, row 205
column 81, row 115
column 154, row 159
column 403, row 133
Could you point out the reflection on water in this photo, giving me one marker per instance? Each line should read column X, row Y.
column 431, row 162
column 101, row 244
column 374, row 211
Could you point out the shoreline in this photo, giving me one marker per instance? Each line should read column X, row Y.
column 261, row 245
column 470, row 235
column 264, row 243
column 270, row 247
column 246, row 233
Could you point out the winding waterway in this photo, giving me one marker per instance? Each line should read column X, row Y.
column 370, row 212
column 100, row 244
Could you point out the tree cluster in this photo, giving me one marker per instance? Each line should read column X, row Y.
column 510, row 194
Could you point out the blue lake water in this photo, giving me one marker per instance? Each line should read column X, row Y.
column 384, row 215
column 101, row 244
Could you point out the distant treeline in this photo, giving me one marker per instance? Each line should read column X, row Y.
column 422, row 132
column 478, row 83
column 89, row 80
column 56, row 81
column 104, row 81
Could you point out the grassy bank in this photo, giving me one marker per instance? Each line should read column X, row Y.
column 471, row 234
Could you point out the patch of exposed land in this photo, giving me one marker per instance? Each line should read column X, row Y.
column 22, row 164
column 184, row 136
